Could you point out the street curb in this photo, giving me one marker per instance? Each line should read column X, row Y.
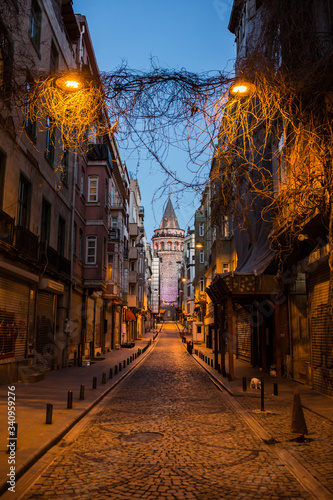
column 55, row 440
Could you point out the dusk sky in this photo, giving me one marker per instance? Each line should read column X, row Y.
column 190, row 34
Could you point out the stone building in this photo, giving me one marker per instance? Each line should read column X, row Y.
column 168, row 243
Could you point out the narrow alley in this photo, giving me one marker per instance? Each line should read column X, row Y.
column 165, row 432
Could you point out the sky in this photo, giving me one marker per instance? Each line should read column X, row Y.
column 190, row 34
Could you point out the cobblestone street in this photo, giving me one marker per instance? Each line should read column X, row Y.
column 166, row 432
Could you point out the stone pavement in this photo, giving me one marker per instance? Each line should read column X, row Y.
column 165, row 433
column 35, row 437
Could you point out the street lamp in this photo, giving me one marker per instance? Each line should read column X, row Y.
column 70, row 83
column 242, row 88
column 199, row 245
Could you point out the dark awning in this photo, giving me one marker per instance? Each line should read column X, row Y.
column 130, row 316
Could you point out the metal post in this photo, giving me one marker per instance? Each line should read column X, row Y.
column 104, row 378
column 262, row 394
column 49, row 410
column 82, row 392
column 94, row 382
column 244, row 384
column 69, row 399
column 276, row 391
column 110, row 373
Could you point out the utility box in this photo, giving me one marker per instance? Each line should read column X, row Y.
column 198, row 332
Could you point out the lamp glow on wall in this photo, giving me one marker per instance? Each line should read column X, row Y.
column 70, row 83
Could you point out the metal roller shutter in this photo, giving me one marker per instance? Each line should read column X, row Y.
column 98, row 326
column 14, row 317
column 243, row 332
column 321, row 339
column 45, row 329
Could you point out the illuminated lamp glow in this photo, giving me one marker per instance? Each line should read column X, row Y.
column 69, row 83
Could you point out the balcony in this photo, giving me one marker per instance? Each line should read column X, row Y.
column 26, row 242
column 114, row 234
column 53, row 260
column 99, row 152
column 6, row 228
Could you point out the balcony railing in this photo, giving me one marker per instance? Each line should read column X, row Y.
column 26, row 242
column 54, row 260
column 7, row 224
column 99, row 152
column 114, row 234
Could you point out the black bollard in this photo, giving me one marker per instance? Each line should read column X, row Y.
column 94, row 382
column 275, row 391
column 219, row 368
column 128, row 361
column 116, row 370
column 244, row 384
column 120, row 367
column 110, row 373
column 124, row 364
column 82, row 392
column 104, row 378
column 69, row 399
column 12, row 440
column 212, row 363
column 262, row 394
column 49, row 410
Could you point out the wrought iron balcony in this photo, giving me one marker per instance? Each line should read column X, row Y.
column 7, row 225
column 26, row 242
column 54, row 260
column 98, row 152
column 114, row 234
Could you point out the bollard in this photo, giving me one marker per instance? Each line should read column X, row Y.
column 69, row 399
column 82, row 392
column 12, row 440
column 275, row 389
column 104, row 378
column 116, row 370
column 110, row 373
column 205, row 359
column 219, row 367
column 262, row 394
column 244, row 384
column 94, row 382
column 131, row 359
column 124, row 364
column 120, row 367
column 128, row 361
column 212, row 363
column 49, row 410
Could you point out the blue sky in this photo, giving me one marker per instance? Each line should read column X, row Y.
column 190, row 34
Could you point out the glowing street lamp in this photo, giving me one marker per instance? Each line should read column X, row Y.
column 242, row 89
column 199, row 245
column 70, row 83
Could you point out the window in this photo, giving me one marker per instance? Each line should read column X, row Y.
column 80, row 244
column 189, row 290
column 61, row 235
column 169, row 245
column 64, row 163
column 45, row 222
column 202, row 284
column 54, row 58
column 76, row 170
column 35, row 23
column 82, row 182
column 201, row 229
column 202, row 257
column 24, row 202
column 93, row 188
column 132, row 265
column 110, row 268
column 91, row 249
column 104, row 253
column 30, row 123
column 162, row 245
column 50, row 140
column 6, row 62
column 225, row 268
column 225, row 227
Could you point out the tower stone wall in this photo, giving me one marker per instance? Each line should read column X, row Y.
column 168, row 244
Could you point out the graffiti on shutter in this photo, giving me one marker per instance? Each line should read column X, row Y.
column 45, row 346
column 14, row 312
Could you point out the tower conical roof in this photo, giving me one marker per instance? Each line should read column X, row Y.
column 169, row 219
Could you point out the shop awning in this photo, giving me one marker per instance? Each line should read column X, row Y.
column 130, row 316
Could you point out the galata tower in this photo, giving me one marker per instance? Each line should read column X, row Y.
column 168, row 244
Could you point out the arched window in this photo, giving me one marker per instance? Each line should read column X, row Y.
column 162, row 245
column 169, row 245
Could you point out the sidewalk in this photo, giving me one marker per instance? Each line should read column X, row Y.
column 35, row 437
column 312, row 400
